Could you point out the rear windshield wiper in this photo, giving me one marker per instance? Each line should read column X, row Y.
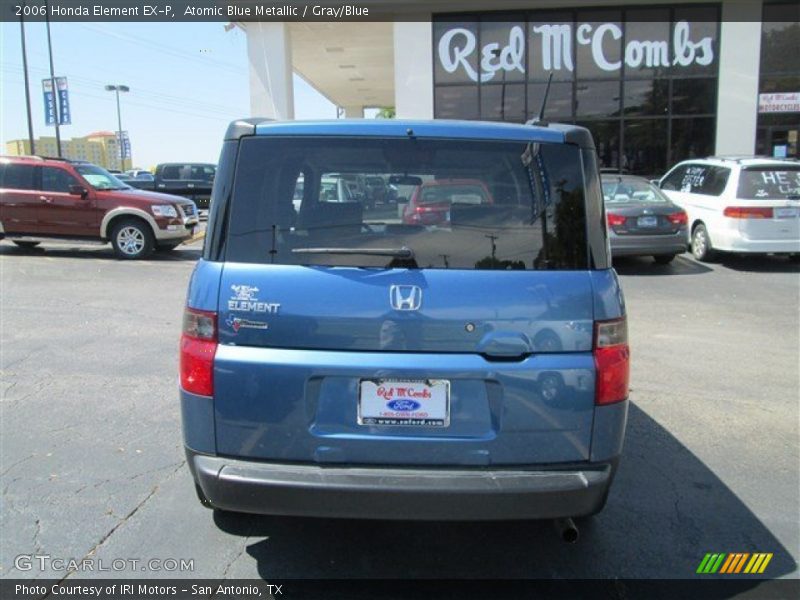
column 404, row 252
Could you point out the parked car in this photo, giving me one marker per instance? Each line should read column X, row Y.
column 432, row 201
column 143, row 180
column 741, row 205
column 375, row 369
column 190, row 180
column 44, row 199
column 641, row 219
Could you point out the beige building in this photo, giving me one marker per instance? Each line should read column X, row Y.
column 99, row 148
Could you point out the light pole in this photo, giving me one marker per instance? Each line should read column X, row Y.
column 117, row 89
column 27, row 85
column 56, row 111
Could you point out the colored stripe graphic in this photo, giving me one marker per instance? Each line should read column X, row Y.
column 734, row 563
column 711, row 562
column 758, row 563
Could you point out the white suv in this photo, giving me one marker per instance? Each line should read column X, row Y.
column 747, row 205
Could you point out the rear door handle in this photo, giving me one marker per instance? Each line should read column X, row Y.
column 47, row 199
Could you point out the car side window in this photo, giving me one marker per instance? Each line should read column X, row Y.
column 673, row 181
column 17, row 177
column 57, row 180
column 715, row 181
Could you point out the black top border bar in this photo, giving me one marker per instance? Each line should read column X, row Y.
column 244, row 11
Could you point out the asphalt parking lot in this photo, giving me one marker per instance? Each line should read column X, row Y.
column 92, row 464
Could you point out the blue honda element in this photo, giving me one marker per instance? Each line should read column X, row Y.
column 453, row 348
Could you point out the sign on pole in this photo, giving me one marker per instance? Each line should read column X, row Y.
column 64, row 115
column 124, row 145
column 49, row 102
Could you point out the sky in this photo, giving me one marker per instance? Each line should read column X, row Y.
column 187, row 81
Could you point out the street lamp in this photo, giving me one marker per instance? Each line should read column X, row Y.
column 117, row 89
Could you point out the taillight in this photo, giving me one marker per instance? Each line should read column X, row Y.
column 615, row 220
column 198, row 346
column 678, row 218
column 612, row 361
column 748, row 212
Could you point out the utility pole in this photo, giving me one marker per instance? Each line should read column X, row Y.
column 493, row 238
column 117, row 89
column 53, row 79
column 27, row 84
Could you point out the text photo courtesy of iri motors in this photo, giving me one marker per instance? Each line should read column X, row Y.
column 400, row 299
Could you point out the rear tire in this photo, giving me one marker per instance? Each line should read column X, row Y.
column 132, row 239
column 701, row 244
column 27, row 245
column 663, row 259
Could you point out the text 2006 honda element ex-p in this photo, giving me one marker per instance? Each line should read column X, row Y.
column 453, row 348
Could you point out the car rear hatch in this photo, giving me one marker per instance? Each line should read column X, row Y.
column 348, row 337
column 767, row 207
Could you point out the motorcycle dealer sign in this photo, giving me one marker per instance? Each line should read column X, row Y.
column 779, row 103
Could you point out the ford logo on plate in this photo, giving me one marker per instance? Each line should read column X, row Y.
column 403, row 405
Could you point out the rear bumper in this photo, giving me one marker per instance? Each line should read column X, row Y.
column 401, row 493
column 648, row 245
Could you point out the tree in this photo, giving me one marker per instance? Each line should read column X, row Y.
column 387, row 112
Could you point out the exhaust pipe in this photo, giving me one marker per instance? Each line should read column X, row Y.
column 567, row 530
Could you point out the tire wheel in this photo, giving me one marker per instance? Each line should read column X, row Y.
column 27, row 245
column 701, row 244
column 166, row 247
column 132, row 239
column 664, row 259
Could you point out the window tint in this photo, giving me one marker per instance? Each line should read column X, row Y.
column 769, row 183
column 698, row 179
column 188, row 172
column 484, row 216
column 17, row 177
column 674, row 180
column 57, row 180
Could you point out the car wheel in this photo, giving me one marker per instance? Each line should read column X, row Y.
column 132, row 239
column 664, row 259
column 701, row 244
column 27, row 245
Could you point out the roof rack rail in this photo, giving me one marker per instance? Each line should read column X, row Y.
column 738, row 158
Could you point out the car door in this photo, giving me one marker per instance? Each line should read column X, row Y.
column 19, row 198
column 63, row 213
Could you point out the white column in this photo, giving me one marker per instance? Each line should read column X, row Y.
column 269, row 51
column 737, row 99
column 413, row 70
column 353, row 112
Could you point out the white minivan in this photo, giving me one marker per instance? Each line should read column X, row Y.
column 742, row 205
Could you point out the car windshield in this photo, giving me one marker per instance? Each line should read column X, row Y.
column 99, row 178
column 770, row 183
column 497, row 219
column 620, row 190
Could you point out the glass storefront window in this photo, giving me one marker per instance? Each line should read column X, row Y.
column 637, row 76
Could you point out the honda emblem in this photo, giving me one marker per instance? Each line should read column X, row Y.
column 405, row 297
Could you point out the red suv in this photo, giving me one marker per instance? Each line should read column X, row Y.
column 43, row 198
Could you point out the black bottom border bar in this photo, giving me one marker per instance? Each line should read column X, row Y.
column 384, row 589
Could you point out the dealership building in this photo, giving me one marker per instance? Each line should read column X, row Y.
column 655, row 83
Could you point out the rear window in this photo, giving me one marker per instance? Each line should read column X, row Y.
column 620, row 191
column 500, row 224
column 769, row 183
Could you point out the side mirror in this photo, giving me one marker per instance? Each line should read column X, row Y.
column 78, row 190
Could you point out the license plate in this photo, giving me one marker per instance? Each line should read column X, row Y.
column 417, row 403
column 786, row 212
column 647, row 221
